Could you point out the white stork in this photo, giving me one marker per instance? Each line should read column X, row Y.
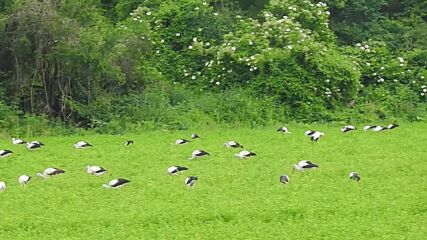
column 175, row 170
column 5, row 153
column 95, row 170
column 303, row 165
column 284, row 179
column 50, row 172
column 393, row 126
column 82, row 144
column 314, row 135
column 368, row 127
column 129, row 142
column 348, row 128
column 2, row 186
column 198, row 154
column 244, row 154
column 181, row 141
column 37, row 142
column 116, row 183
column 190, row 181
column 375, row 128
column 283, row 130
column 354, row 176
column 17, row 141
column 379, row 128
column 195, row 135
column 34, row 146
column 233, row 144
column 24, row 179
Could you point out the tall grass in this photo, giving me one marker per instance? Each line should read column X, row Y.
column 178, row 108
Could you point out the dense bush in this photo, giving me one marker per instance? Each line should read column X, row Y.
column 116, row 66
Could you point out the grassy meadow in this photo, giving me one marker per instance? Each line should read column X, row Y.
column 233, row 199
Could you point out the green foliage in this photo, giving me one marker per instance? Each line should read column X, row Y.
column 88, row 63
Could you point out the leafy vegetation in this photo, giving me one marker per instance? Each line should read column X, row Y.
column 120, row 65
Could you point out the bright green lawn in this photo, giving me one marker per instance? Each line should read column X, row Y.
column 233, row 199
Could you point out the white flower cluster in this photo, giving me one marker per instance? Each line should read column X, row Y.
column 328, row 92
column 363, row 47
column 423, row 90
column 321, row 4
column 401, row 60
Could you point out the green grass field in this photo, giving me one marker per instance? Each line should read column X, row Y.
column 233, row 199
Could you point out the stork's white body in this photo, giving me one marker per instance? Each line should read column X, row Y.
column 17, row 141
column 34, row 145
column 24, row 179
column 181, row 141
column 244, row 154
column 232, row 144
column 116, row 183
column 190, row 181
column 95, row 170
column 82, row 144
column 379, row 128
column 348, row 128
column 175, row 170
column 198, row 154
column 283, row 130
column 50, row 172
column 304, row 164
column 5, row 153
